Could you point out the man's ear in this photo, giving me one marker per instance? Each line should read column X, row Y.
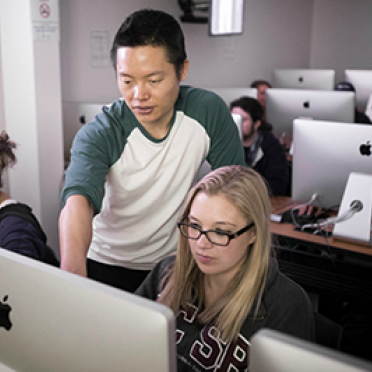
column 257, row 125
column 184, row 70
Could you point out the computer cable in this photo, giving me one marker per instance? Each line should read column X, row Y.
column 355, row 207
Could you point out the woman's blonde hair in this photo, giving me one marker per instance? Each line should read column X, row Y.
column 245, row 190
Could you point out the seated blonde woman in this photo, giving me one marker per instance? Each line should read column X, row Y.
column 223, row 283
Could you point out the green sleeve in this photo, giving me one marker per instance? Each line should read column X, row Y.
column 212, row 112
column 226, row 146
column 96, row 147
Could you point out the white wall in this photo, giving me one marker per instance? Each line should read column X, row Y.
column 31, row 84
column 274, row 36
column 342, row 35
column 2, row 127
column 80, row 81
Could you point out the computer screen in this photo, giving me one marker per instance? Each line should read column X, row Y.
column 52, row 320
column 368, row 110
column 285, row 105
column 324, row 154
column 304, row 79
column 362, row 81
column 274, row 351
column 231, row 94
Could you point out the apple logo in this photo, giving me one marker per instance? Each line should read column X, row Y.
column 300, row 79
column 5, row 310
column 307, row 104
column 365, row 149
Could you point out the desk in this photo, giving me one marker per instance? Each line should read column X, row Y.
column 328, row 267
column 282, row 203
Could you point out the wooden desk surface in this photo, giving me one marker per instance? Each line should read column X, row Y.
column 281, row 203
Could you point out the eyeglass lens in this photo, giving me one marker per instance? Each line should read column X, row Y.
column 214, row 237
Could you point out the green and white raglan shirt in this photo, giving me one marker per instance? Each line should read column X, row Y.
column 137, row 184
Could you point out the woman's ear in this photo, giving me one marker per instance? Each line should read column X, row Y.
column 252, row 239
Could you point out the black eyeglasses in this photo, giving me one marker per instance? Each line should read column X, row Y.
column 217, row 237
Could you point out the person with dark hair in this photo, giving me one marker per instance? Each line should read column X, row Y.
column 263, row 151
column 359, row 116
column 261, row 86
column 223, row 284
column 20, row 231
column 132, row 166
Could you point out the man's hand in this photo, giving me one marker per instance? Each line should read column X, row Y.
column 309, row 210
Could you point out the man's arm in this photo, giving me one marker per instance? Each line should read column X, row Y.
column 75, row 234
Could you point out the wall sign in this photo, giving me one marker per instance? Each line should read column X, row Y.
column 45, row 19
column 100, row 48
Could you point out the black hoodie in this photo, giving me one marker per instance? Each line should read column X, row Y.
column 285, row 307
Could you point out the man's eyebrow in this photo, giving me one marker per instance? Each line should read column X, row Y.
column 146, row 76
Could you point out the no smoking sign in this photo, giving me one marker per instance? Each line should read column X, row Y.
column 44, row 10
column 45, row 19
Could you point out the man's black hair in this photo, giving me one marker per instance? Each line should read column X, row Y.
column 148, row 27
column 252, row 107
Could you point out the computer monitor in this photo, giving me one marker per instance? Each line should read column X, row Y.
column 304, row 79
column 324, row 154
column 238, row 119
column 285, row 105
column 274, row 351
column 231, row 94
column 52, row 320
column 362, row 81
column 368, row 110
column 75, row 115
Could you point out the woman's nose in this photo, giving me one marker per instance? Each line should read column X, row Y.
column 203, row 241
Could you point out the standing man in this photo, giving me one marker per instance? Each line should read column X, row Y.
column 132, row 166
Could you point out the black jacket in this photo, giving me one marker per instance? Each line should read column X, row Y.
column 20, row 232
column 271, row 163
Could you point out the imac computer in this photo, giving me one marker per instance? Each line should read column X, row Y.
column 368, row 110
column 362, row 81
column 238, row 119
column 324, row 154
column 274, row 351
column 285, row 105
column 52, row 320
column 231, row 94
column 304, row 79
column 356, row 204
